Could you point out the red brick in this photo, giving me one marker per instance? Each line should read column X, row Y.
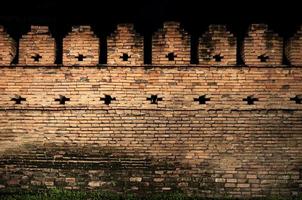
column 173, row 40
column 37, row 47
column 8, row 47
column 81, row 47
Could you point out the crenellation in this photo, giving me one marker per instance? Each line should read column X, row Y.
column 293, row 48
column 8, row 47
column 81, row 47
column 171, row 45
column 262, row 46
column 217, row 46
column 37, row 47
column 125, row 46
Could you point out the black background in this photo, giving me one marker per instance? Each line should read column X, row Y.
column 284, row 17
column 196, row 15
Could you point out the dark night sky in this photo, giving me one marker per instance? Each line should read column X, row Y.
column 196, row 15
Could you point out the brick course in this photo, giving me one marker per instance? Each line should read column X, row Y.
column 179, row 86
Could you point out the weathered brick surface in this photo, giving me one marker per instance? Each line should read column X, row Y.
column 171, row 45
column 238, row 153
column 8, row 47
column 125, row 46
column 37, row 47
column 223, row 147
column 178, row 86
column 293, row 48
column 262, row 46
column 81, row 47
column 217, row 46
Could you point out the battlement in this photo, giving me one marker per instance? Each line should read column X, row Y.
column 262, row 46
column 81, row 47
column 293, row 48
column 37, row 47
column 171, row 45
column 125, row 46
column 8, row 48
column 217, row 46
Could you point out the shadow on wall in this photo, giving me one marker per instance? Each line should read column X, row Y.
column 181, row 153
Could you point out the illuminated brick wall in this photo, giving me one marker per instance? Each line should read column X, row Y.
column 209, row 130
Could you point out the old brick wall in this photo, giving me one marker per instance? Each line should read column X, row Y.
column 223, row 147
column 208, row 130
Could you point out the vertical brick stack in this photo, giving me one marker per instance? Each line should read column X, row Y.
column 125, row 46
column 7, row 47
column 81, row 47
column 37, row 47
column 217, row 46
column 262, row 46
column 293, row 48
column 171, row 45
